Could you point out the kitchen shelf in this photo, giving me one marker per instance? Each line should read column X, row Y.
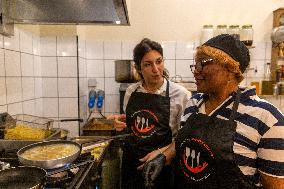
column 250, row 47
column 270, row 95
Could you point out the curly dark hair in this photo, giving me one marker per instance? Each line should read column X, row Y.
column 142, row 48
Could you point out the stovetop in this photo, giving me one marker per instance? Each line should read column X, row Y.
column 65, row 179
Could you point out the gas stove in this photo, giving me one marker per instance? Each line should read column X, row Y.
column 85, row 176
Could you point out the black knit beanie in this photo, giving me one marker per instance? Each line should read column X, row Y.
column 233, row 47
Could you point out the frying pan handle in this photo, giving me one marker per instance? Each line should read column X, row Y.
column 75, row 119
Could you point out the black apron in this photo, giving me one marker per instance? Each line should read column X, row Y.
column 204, row 153
column 147, row 116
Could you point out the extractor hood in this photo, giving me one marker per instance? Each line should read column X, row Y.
column 108, row 12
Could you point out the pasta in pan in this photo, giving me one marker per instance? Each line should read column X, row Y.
column 50, row 152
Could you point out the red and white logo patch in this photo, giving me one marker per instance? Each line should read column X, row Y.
column 196, row 159
column 143, row 123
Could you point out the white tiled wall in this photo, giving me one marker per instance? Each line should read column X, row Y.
column 60, row 80
column 39, row 75
column 100, row 57
column 19, row 73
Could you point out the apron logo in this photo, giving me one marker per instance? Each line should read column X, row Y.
column 143, row 123
column 191, row 156
column 195, row 159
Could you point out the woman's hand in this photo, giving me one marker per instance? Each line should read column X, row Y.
column 119, row 121
column 168, row 151
column 147, row 158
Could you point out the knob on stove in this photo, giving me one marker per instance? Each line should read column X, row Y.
column 4, row 165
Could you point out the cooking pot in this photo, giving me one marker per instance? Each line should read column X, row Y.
column 125, row 71
column 51, row 163
column 277, row 35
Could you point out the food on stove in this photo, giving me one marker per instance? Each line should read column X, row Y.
column 50, row 152
column 98, row 150
column 25, row 132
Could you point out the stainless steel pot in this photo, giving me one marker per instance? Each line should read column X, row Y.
column 125, row 71
column 52, row 163
column 277, row 35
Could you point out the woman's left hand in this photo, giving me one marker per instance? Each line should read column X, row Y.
column 147, row 158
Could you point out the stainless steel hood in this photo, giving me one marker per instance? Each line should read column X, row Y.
column 108, row 12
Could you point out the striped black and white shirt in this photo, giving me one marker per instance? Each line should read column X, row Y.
column 259, row 138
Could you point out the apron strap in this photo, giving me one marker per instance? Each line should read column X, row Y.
column 235, row 105
column 168, row 88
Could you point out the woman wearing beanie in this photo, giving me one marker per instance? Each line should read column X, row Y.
column 230, row 138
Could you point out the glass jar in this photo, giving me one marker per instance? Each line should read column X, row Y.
column 221, row 29
column 234, row 30
column 206, row 33
column 247, row 35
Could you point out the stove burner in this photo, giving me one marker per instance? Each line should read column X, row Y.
column 61, row 179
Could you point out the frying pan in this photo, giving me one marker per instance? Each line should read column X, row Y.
column 22, row 177
column 29, row 177
column 52, row 163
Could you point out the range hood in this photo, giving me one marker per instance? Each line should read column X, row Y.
column 108, row 12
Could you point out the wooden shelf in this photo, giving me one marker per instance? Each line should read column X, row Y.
column 250, row 47
column 260, row 95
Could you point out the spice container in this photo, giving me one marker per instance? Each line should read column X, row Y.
column 221, row 29
column 234, row 30
column 246, row 35
column 207, row 33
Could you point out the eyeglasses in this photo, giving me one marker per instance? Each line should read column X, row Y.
column 198, row 67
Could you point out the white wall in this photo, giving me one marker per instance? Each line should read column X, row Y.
column 177, row 20
column 183, row 19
